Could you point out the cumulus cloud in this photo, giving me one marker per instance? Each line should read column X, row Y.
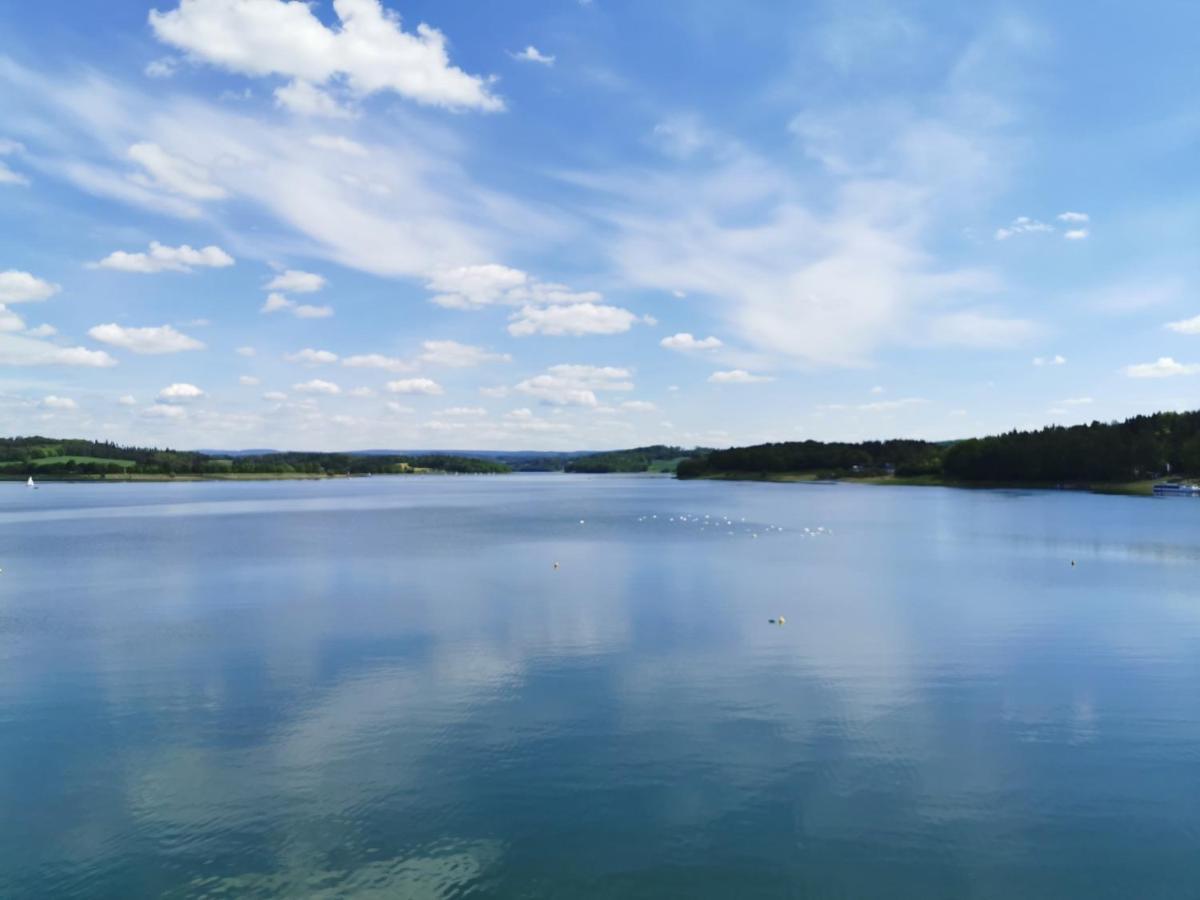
column 472, row 287
column 41, row 331
column 304, row 99
column 369, row 52
column 167, row 259
column 296, row 281
column 737, row 376
column 152, row 340
column 1073, row 218
column 641, row 406
column 575, row 385
column 310, row 357
column 10, row 321
column 685, row 341
column 1186, row 326
column 275, row 396
column 1076, row 234
column 1163, row 367
column 276, row 302
column 246, row 351
column 21, row 287
column 247, row 380
column 378, row 361
column 317, row 386
column 533, row 55
column 574, row 319
column 58, row 403
column 20, row 350
column 471, row 412
column 127, row 400
column 1056, row 360
column 456, row 355
column 415, row 386
column 180, row 391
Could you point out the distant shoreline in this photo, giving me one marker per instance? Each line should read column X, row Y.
column 1124, row 488
column 246, row 476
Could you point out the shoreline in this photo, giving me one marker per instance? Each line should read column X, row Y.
column 1125, row 488
column 192, row 477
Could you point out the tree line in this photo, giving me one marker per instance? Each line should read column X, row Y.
column 1142, row 447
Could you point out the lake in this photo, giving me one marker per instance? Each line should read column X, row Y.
column 383, row 687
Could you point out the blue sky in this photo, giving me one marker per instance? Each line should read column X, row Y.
column 239, row 223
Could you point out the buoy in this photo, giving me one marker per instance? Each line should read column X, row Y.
column 1072, row 562
column 556, row 565
column 782, row 620
column 581, row 521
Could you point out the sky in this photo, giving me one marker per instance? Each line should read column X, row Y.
column 555, row 225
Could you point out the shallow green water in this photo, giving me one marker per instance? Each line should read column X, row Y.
column 383, row 688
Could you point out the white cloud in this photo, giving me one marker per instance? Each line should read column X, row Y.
column 310, row 357
column 276, row 302
column 152, row 340
column 415, row 386
column 470, row 412
column 737, row 376
column 456, row 355
column 163, row 67
column 378, row 361
column 1163, row 367
column 127, row 400
column 10, row 321
column 247, row 380
column 180, row 391
column 7, row 175
column 1073, row 217
column 164, row 411
column 246, row 351
column 370, row 51
column 304, row 99
column 58, row 403
column 496, row 392
column 1076, row 234
column 397, row 408
column 1056, row 360
column 338, row 144
column 41, row 331
column 641, row 406
column 471, row 287
column 575, row 385
column 296, row 281
column 574, row 319
column 164, row 259
column 174, row 174
column 1022, row 225
column 275, row 396
column 19, row 350
column 1186, row 326
column 533, row 55
column 317, row 386
column 685, row 341
column 361, row 392
column 21, row 287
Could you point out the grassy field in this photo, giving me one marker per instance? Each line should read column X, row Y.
column 665, row 465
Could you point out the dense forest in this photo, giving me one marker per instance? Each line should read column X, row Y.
column 43, row 456
column 1140, row 448
column 640, row 459
column 900, row 457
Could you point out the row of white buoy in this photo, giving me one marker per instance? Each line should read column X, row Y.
column 725, row 522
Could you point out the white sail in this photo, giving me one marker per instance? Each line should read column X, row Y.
column 30, row 483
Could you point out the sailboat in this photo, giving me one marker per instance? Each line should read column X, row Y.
column 30, row 483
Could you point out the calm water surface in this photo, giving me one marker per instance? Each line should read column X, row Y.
column 383, row 688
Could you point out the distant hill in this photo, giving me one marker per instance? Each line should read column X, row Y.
column 658, row 457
